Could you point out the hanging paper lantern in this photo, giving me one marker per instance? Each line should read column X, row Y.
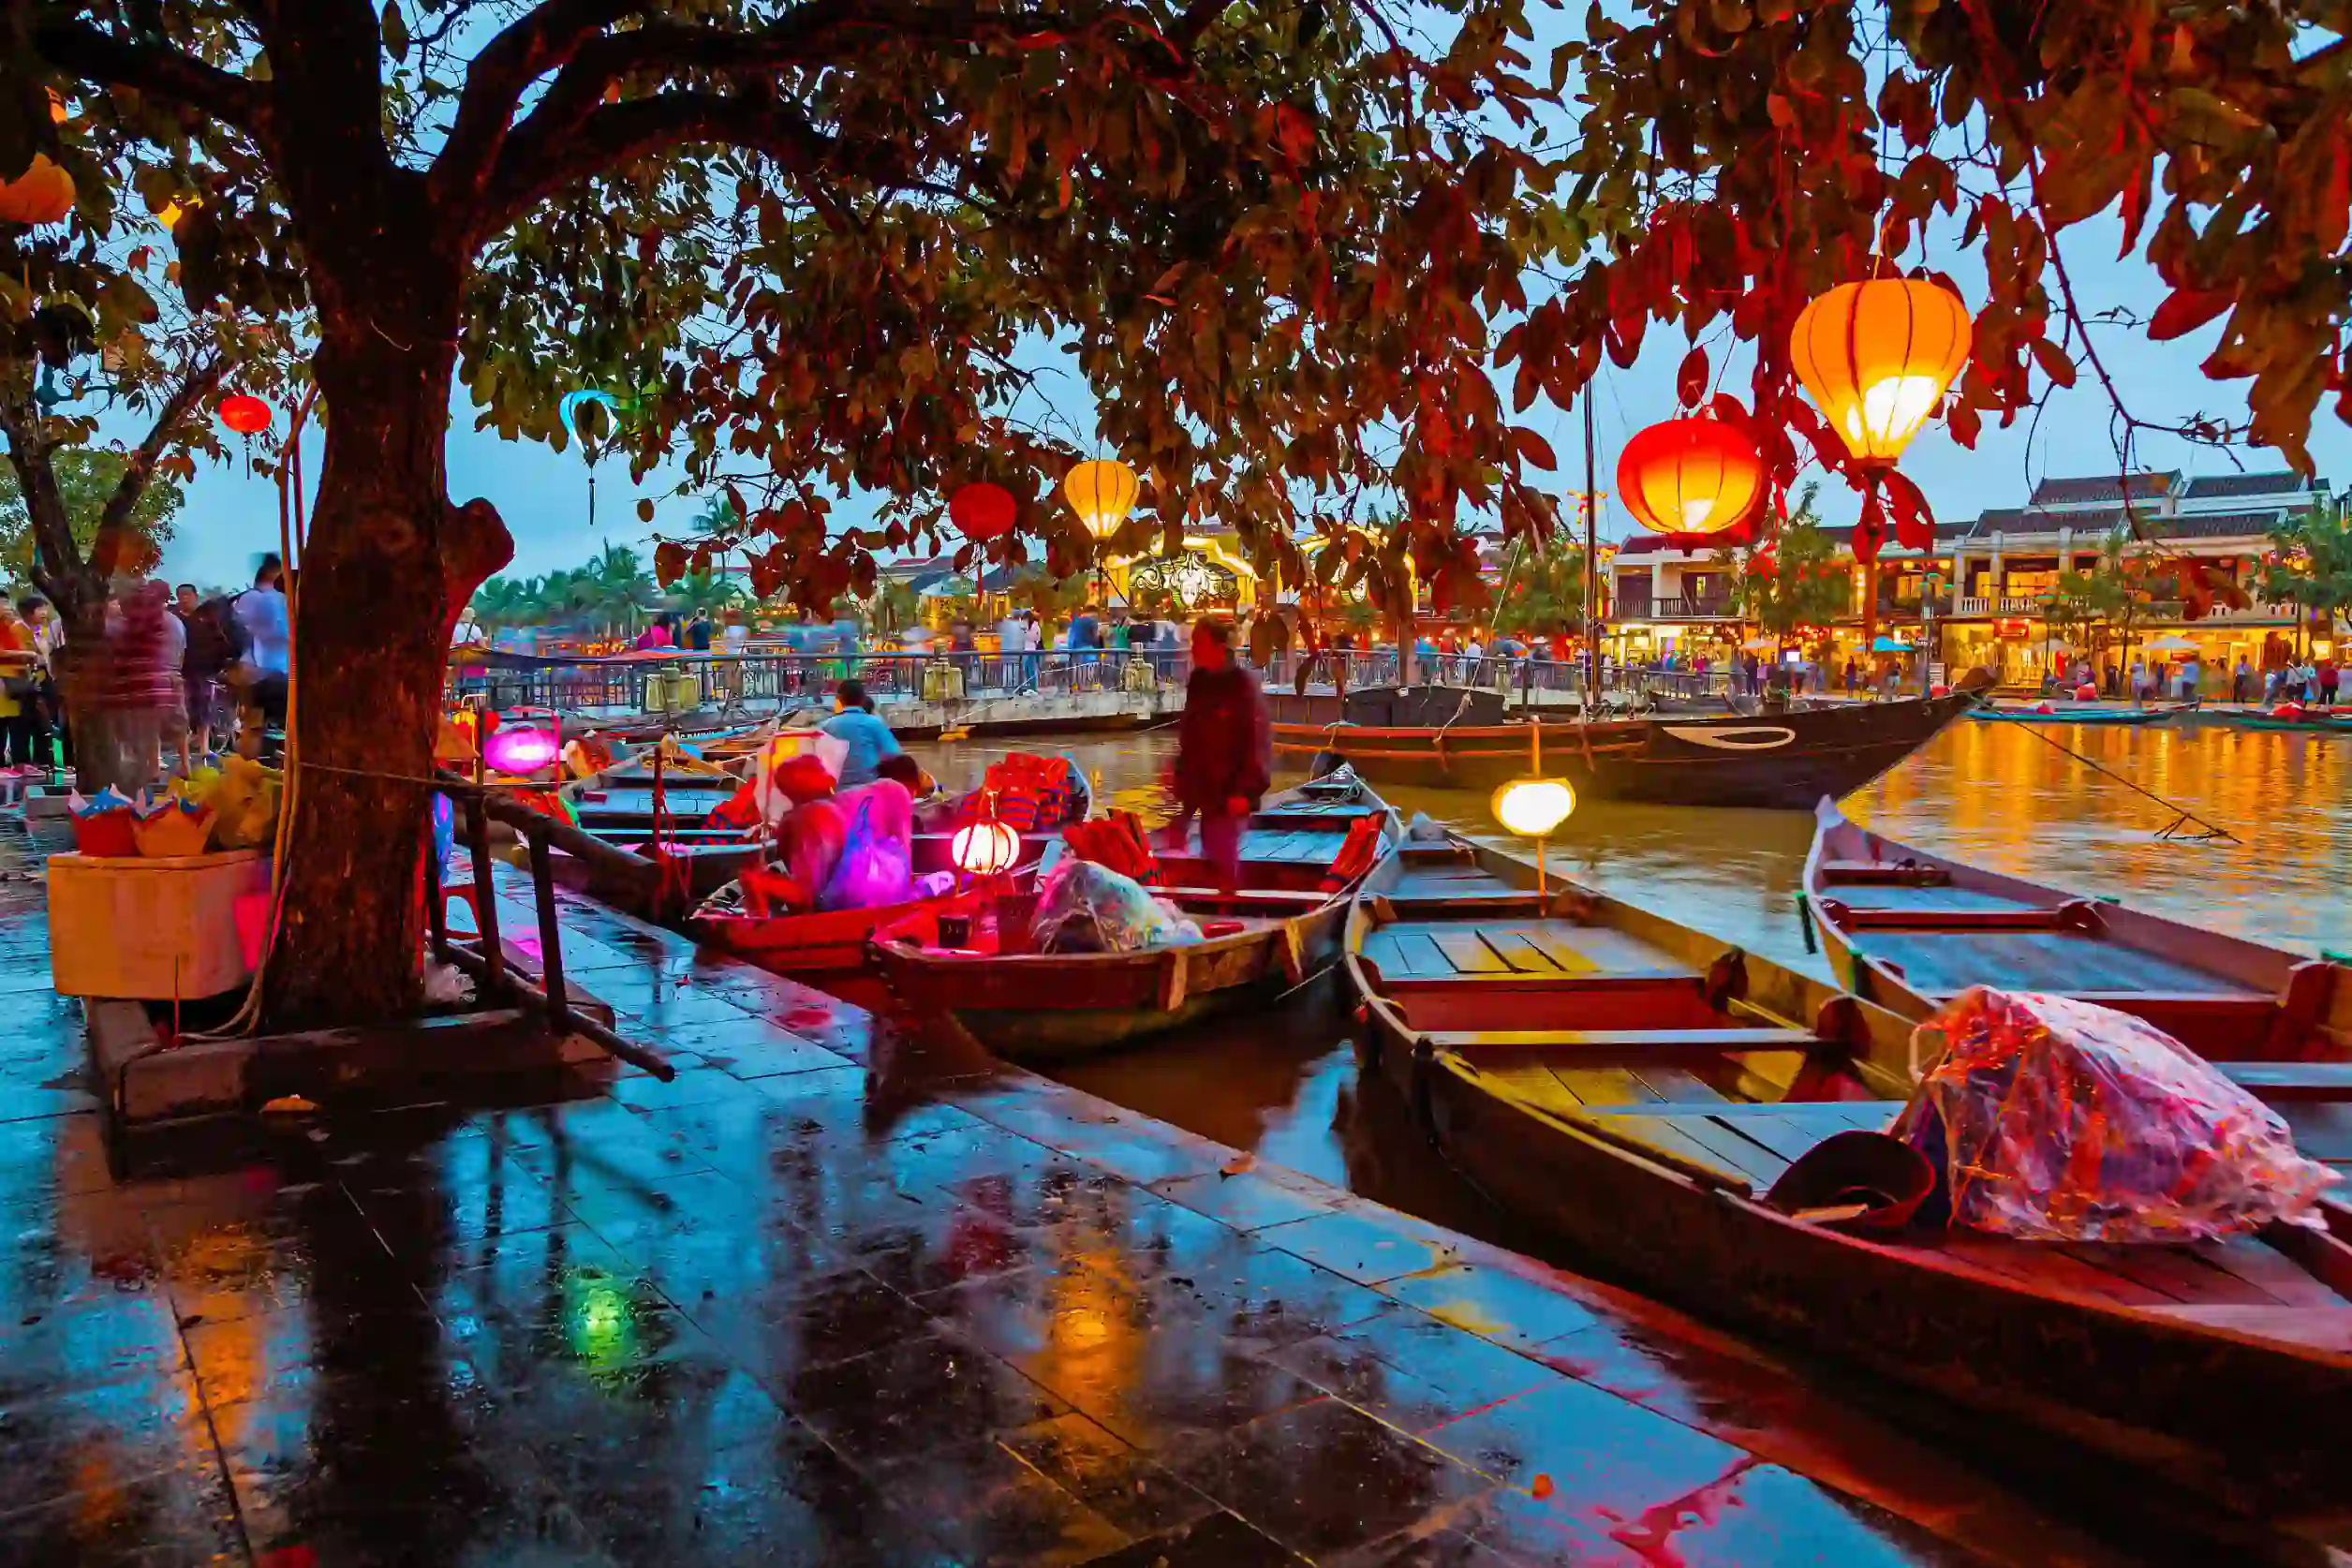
column 244, row 413
column 982, row 512
column 42, row 194
column 1101, row 493
column 1532, row 808
column 1690, row 479
column 516, row 751
column 985, row 849
column 1878, row 357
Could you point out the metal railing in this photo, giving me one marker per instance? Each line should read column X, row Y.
column 1709, row 608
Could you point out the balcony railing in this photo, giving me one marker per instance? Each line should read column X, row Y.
column 1713, row 608
column 2007, row 604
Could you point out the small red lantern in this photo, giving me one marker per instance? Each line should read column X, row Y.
column 982, row 512
column 1693, row 480
column 244, row 413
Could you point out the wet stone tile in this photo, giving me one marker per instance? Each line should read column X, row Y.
column 693, row 1086
column 1432, row 1548
column 1494, row 1303
column 87, row 1344
column 1246, row 1201
column 895, row 1402
column 101, row 1438
column 1218, row 1541
column 678, row 1007
column 1324, row 1477
column 1178, row 1386
column 786, row 1327
column 1368, row 1248
column 1120, row 1483
column 58, row 1249
column 607, row 1142
column 756, row 1048
column 180, row 1519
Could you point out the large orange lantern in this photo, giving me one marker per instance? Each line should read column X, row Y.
column 1101, row 493
column 1878, row 358
column 42, row 194
column 1690, row 479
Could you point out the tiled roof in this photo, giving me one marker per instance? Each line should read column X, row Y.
column 2216, row 487
column 2219, row 525
column 2104, row 487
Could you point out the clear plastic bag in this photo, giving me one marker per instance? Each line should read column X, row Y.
column 1086, row 908
column 872, row 870
column 2053, row 1119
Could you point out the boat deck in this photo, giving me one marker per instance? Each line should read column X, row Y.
column 1443, row 949
column 2068, row 963
column 1887, row 897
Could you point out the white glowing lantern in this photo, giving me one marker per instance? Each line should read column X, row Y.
column 1532, row 808
column 985, row 849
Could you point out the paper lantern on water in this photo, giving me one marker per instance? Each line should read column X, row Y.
column 244, row 413
column 982, row 512
column 42, row 194
column 985, row 849
column 1101, row 493
column 1878, row 357
column 1690, row 479
column 521, row 750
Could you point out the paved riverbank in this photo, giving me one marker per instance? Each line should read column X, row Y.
column 820, row 1302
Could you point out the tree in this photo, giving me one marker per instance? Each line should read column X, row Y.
column 2120, row 590
column 893, row 606
column 87, row 479
column 1798, row 585
column 2311, row 566
column 1544, row 591
column 806, row 238
column 506, row 602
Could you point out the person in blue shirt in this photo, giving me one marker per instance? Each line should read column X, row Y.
column 869, row 739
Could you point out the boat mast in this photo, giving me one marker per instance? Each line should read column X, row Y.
column 1592, row 564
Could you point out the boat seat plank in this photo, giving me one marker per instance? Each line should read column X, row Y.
column 1602, row 1085
column 1882, row 872
column 2322, row 1128
column 2317, row 1329
column 1706, row 1042
column 1417, row 954
column 1641, row 1132
column 1677, row 1083
column 1466, row 954
column 2169, row 1271
column 2068, row 963
column 2268, row 1270
column 2044, row 1269
column 2291, row 1080
column 1758, row 1165
column 1521, row 954
column 1787, row 1137
column 1890, row 898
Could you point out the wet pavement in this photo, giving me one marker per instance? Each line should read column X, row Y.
column 819, row 1301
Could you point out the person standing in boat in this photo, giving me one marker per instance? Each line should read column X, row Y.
column 855, row 723
column 1224, row 752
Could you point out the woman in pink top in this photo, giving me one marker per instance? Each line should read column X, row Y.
column 655, row 635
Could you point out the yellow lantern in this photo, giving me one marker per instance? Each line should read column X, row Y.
column 1101, row 493
column 1878, row 357
column 42, row 194
column 985, row 849
column 1533, row 808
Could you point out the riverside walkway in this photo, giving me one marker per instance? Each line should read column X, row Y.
column 820, row 1301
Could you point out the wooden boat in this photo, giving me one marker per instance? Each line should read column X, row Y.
column 2324, row 722
column 1641, row 1088
column 1909, row 930
column 836, row 941
column 1279, row 930
column 2078, row 714
column 1784, row 760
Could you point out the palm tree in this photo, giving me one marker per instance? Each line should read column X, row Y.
column 2313, row 566
column 505, row 601
column 617, row 589
column 708, row 592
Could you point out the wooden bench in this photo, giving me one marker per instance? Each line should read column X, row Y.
column 1899, row 873
column 1710, row 1041
column 2291, row 1080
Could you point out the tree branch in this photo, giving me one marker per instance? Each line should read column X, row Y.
column 56, row 564
column 202, row 376
column 81, row 50
column 545, row 38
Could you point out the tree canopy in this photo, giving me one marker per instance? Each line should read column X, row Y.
column 88, row 479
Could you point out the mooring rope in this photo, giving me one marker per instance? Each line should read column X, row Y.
column 2182, row 815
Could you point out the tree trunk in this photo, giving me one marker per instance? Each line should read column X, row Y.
column 387, row 564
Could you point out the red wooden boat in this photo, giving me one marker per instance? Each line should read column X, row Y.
column 1910, row 930
column 1640, row 1089
column 835, row 941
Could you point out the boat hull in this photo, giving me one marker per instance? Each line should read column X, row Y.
column 2059, row 716
column 1777, row 761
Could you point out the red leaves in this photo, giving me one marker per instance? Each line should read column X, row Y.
column 669, row 562
column 2184, row 310
column 2054, row 363
column 1690, row 381
column 1533, row 449
column 1915, row 520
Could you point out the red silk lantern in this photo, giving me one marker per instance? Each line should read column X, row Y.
column 244, row 413
column 982, row 512
column 1693, row 480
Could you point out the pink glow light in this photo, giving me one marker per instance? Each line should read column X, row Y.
column 521, row 750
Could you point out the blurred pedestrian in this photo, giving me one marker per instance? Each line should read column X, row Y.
column 1224, row 752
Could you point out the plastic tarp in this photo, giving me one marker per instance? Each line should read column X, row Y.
column 2052, row 1119
column 877, row 847
column 1086, row 908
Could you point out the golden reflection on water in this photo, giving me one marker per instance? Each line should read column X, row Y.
column 2003, row 795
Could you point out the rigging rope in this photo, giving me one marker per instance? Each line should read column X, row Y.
column 2182, row 816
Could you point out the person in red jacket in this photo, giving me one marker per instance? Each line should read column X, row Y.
column 1224, row 751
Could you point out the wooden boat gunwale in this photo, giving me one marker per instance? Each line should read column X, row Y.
column 2152, row 1387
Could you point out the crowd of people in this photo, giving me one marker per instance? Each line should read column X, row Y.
column 171, row 679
